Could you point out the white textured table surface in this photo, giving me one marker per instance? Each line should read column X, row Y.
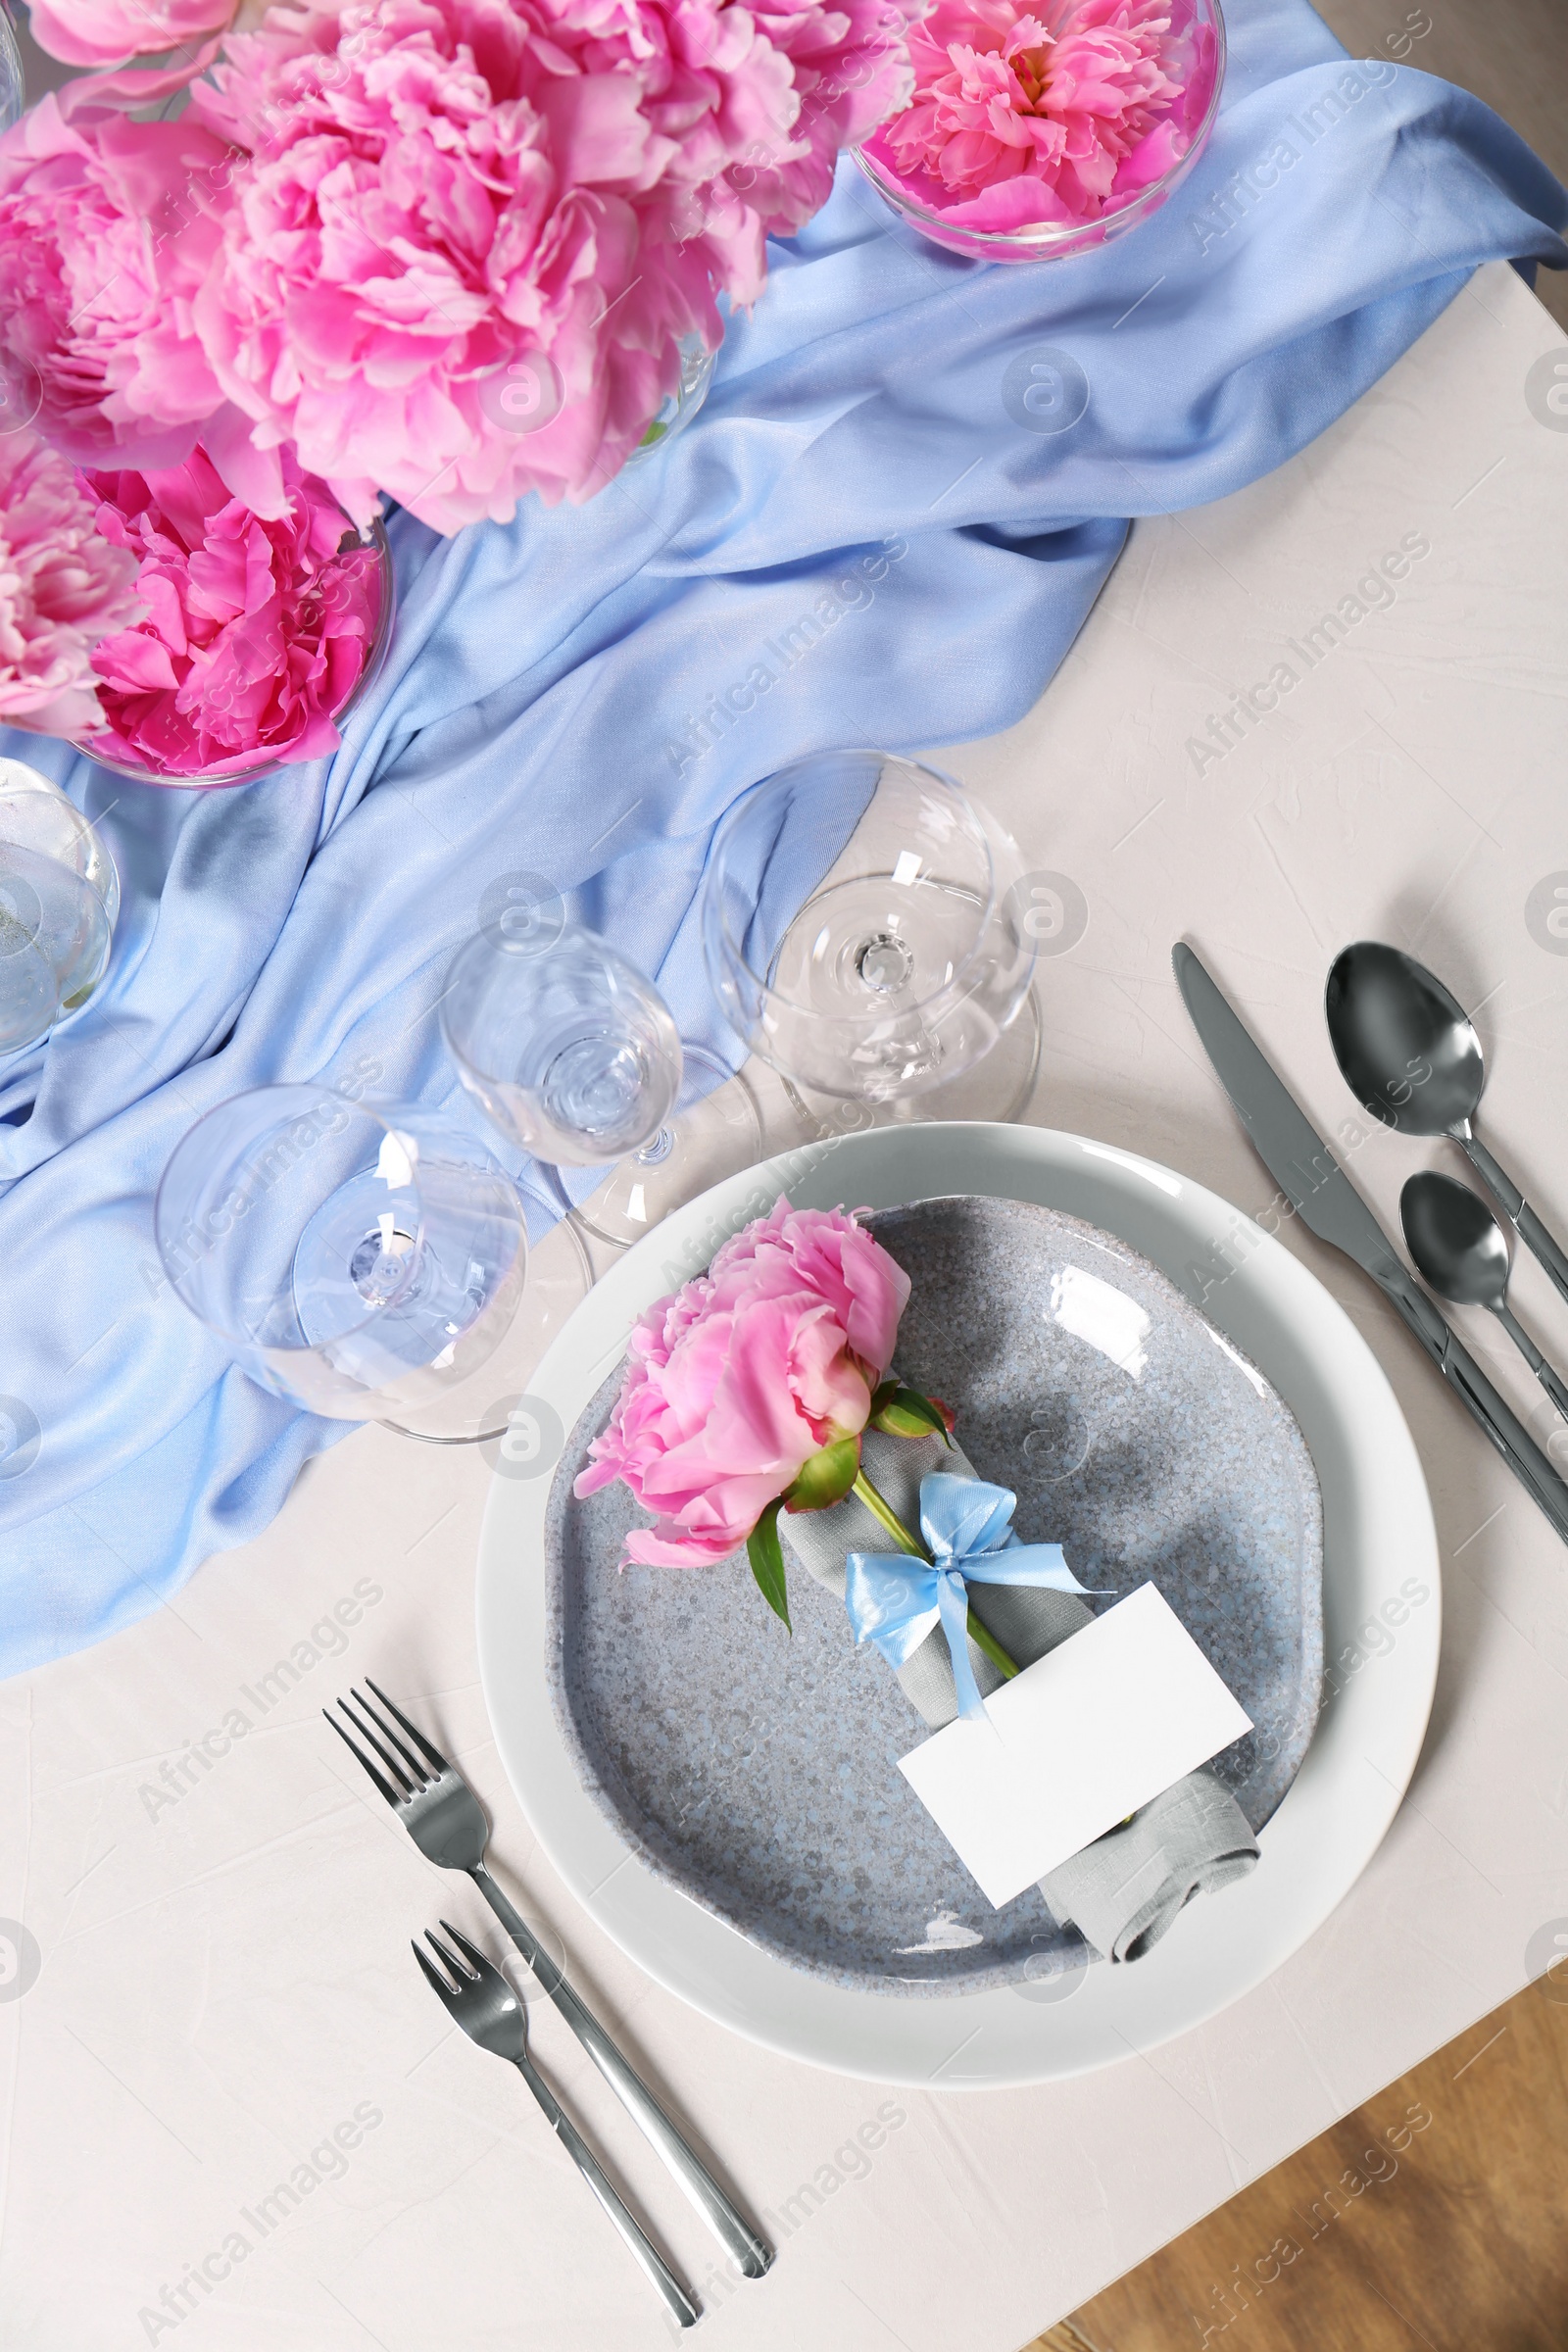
column 224, row 1975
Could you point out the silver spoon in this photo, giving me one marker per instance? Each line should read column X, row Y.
column 1461, row 1251
column 1408, row 1052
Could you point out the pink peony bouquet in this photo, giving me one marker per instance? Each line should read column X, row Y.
column 257, row 631
column 63, row 586
column 748, row 1391
column 104, row 238
column 449, row 252
column 1021, row 119
column 372, row 220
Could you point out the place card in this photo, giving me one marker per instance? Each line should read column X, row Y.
column 1103, row 1723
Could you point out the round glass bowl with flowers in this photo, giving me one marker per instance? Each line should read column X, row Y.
column 1037, row 132
column 259, row 632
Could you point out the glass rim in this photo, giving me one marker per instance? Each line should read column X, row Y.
column 954, row 987
column 376, row 1110
column 1047, row 240
column 224, row 778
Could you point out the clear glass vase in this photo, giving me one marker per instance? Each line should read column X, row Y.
column 697, row 363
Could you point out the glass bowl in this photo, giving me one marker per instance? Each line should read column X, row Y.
column 216, row 778
column 1196, row 46
column 677, row 408
column 863, row 926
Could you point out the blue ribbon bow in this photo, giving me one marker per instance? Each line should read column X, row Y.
column 895, row 1599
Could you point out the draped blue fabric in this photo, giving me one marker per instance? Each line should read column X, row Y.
column 864, row 539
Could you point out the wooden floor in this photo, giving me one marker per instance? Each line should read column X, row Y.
column 1434, row 2215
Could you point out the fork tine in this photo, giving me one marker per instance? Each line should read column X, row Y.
column 437, row 1984
column 434, row 1755
column 380, row 1780
column 365, row 1732
column 476, row 1959
column 420, row 1771
column 463, row 1975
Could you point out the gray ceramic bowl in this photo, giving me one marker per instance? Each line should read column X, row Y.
column 758, row 1773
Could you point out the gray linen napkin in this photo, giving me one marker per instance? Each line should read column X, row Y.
column 1123, row 1892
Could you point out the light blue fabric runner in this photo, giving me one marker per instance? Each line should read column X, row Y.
column 858, row 510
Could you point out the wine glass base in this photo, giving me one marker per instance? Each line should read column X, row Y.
column 707, row 1137
column 484, row 1408
column 998, row 1089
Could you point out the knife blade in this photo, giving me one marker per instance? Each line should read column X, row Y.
column 1326, row 1200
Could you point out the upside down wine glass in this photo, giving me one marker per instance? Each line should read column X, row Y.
column 361, row 1260
column 572, row 1053
column 59, row 901
column 866, row 930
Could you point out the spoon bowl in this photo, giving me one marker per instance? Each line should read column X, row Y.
column 1406, row 1046
column 1459, row 1249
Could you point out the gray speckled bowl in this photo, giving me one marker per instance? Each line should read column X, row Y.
column 758, row 1773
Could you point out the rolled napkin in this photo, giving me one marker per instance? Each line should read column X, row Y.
column 1123, row 1892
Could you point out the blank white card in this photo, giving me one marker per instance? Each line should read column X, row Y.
column 1103, row 1723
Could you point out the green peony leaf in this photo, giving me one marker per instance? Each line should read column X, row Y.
column 767, row 1555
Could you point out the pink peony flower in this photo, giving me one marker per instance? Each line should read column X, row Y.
column 107, row 227
column 738, row 1380
column 257, row 631
column 444, row 195
column 61, row 587
column 99, row 32
column 1014, row 125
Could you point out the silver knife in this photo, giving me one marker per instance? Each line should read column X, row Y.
column 1324, row 1198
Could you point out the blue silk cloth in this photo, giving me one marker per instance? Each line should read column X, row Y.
column 866, row 538
column 895, row 1601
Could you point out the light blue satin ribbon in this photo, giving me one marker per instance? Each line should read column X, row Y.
column 895, row 1599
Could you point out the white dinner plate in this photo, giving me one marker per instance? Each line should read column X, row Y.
column 1380, row 1573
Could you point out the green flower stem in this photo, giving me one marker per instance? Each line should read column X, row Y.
column 983, row 1640
column 881, row 1510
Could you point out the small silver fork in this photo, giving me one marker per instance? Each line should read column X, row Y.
column 480, row 1999
column 444, row 1818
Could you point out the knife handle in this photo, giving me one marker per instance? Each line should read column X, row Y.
column 1533, row 1469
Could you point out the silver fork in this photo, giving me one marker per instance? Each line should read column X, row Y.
column 481, row 2001
column 443, row 1817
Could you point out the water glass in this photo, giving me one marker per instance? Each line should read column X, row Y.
column 865, row 931
column 59, row 899
column 574, row 1054
column 569, row 1049
column 360, row 1259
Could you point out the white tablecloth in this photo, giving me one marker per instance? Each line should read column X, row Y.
column 231, row 2115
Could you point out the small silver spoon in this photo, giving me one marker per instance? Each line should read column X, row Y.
column 1461, row 1251
column 1408, row 1052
